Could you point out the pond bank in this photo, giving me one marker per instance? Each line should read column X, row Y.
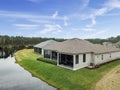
column 83, row 79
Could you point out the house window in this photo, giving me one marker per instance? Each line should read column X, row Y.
column 97, row 56
column 77, row 59
column 84, row 57
column 47, row 54
column 110, row 55
column 54, row 55
column 102, row 57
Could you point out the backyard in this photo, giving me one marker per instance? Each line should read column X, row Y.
column 63, row 79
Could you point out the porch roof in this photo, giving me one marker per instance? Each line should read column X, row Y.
column 76, row 46
column 45, row 43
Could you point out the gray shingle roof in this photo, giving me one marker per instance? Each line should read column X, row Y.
column 76, row 46
column 45, row 44
column 117, row 44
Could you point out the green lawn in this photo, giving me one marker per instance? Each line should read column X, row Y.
column 63, row 79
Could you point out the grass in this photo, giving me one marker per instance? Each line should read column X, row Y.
column 63, row 79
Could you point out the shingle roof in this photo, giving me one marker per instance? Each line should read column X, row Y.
column 76, row 46
column 45, row 44
column 117, row 44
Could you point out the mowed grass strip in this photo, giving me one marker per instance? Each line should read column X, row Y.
column 63, row 79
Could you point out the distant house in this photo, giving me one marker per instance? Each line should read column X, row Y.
column 76, row 53
column 108, row 43
column 39, row 48
column 117, row 44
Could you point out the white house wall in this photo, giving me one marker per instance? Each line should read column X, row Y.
column 82, row 64
column 106, row 57
column 42, row 51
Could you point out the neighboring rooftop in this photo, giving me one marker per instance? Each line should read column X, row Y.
column 108, row 43
column 76, row 46
column 45, row 43
column 117, row 44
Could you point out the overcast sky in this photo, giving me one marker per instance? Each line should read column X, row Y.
column 60, row 18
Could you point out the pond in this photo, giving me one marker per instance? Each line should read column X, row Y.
column 14, row 77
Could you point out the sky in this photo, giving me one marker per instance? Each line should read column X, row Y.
column 60, row 18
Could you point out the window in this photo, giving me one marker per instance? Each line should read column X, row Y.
column 47, row 54
column 84, row 57
column 77, row 59
column 102, row 57
column 40, row 50
column 54, row 55
column 110, row 55
column 97, row 56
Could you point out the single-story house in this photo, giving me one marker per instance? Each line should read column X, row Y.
column 76, row 53
column 39, row 48
column 117, row 44
column 107, row 43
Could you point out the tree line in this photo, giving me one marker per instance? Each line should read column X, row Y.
column 100, row 41
column 10, row 44
column 20, row 41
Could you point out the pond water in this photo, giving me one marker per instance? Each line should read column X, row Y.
column 14, row 77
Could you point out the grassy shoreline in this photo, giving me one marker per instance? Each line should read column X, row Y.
column 63, row 79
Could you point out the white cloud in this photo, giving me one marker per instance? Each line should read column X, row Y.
column 35, row 1
column 26, row 26
column 19, row 15
column 16, row 15
column 51, row 28
column 112, row 14
column 91, row 15
column 75, row 29
column 96, row 34
column 55, row 15
column 40, row 21
column 94, row 13
column 108, row 6
column 88, row 29
column 65, row 18
column 85, row 3
column 65, row 21
column 113, row 4
column 93, row 22
column 101, row 11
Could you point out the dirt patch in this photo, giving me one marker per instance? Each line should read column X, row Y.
column 111, row 81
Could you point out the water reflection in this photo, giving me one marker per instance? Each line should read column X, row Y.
column 6, row 53
column 14, row 77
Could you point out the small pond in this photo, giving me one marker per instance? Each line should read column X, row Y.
column 14, row 77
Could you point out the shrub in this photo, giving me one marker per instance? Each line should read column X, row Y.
column 47, row 60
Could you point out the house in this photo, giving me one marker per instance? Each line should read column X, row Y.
column 117, row 44
column 108, row 43
column 76, row 53
column 39, row 48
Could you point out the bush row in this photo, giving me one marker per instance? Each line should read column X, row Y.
column 47, row 60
